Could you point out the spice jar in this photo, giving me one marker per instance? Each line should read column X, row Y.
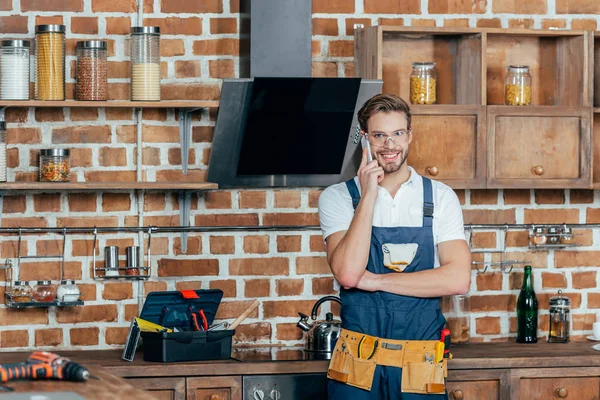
column 67, row 291
column 145, row 63
column 21, row 292
column 566, row 235
column 538, row 238
column 14, row 69
column 560, row 319
column 44, row 292
column 54, row 165
column 50, row 62
column 553, row 235
column 132, row 253
column 457, row 310
column 517, row 88
column 2, row 151
column 423, row 83
column 91, row 71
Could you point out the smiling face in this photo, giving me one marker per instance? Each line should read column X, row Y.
column 391, row 155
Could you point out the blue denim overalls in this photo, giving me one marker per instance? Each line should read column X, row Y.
column 389, row 315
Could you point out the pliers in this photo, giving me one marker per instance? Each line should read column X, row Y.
column 195, row 326
column 361, row 343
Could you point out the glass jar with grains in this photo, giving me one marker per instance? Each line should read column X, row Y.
column 423, row 82
column 517, row 86
column 55, row 165
column 145, row 63
column 91, row 71
column 21, row 292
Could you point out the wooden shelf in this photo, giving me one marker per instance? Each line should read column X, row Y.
column 113, row 103
column 107, row 186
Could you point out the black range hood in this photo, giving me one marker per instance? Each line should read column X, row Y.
column 279, row 127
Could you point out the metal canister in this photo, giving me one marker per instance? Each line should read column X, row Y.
column 111, row 261
column 133, row 260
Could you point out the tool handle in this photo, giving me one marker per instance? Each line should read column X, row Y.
column 445, row 338
column 13, row 372
column 244, row 315
column 195, row 325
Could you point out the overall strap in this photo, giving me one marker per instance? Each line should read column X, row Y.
column 354, row 193
column 427, row 202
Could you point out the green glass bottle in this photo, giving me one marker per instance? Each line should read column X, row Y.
column 527, row 310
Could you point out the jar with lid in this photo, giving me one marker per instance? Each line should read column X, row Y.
column 2, row 151
column 560, row 319
column 44, row 292
column 457, row 310
column 14, row 69
column 423, row 82
column 517, row 87
column 21, row 292
column 91, row 70
column 566, row 235
column 55, row 165
column 50, row 62
column 67, row 291
column 538, row 237
column 145, row 63
column 553, row 235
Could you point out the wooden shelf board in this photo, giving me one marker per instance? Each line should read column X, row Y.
column 472, row 31
column 441, row 109
column 114, row 103
column 107, row 185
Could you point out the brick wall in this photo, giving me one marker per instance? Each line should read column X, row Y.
column 285, row 270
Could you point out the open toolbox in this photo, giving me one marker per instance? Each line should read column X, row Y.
column 174, row 309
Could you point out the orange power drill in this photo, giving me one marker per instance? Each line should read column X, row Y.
column 44, row 365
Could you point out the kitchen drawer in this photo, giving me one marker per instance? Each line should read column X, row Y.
column 473, row 390
column 161, row 388
column 587, row 388
column 214, row 388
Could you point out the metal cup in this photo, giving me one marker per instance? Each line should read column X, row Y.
column 111, row 261
column 133, row 260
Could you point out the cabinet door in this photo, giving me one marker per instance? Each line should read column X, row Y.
column 161, row 388
column 560, row 388
column 449, row 144
column 538, row 147
column 474, row 390
column 214, row 388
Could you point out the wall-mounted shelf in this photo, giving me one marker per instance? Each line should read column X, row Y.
column 38, row 304
column 49, row 186
column 114, row 104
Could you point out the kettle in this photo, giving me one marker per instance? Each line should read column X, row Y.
column 321, row 335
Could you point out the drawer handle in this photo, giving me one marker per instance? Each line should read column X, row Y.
column 538, row 170
column 457, row 394
column 562, row 393
column 215, row 396
column 433, row 171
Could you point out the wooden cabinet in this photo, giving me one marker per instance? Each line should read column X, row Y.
column 538, row 147
column 449, row 145
column 214, row 388
column 163, row 388
column 560, row 388
column 478, row 385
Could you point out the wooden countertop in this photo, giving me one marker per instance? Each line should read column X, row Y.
column 472, row 356
column 107, row 387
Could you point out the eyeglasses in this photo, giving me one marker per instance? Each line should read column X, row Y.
column 379, row 139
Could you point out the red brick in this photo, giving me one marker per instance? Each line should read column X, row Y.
column 517, row 196
column 544, row 299
column 259, row 266
column 325, row 26
column 192, row 7
column 584, row 280
column 312, row 265
column 221, row 69
column 82, row 202
column 287, row 308
column 576, row 258
column 155, row 287
column 584, row 24
column 489, row 281
column 484, row 196
column 49, row 202
column 176, row 25
column 554, row 280
column 118, row 25
column 187, row 69
column 30, row 316
column 14, row 204
column 256, row 244
column 253, row 199
column 190, row 91
column 489, row 23
column 81, row 134
column 48, row 247
column 390, row 21
column 217, row 47
column 457, row 6
column 12, row 158
column 487, row 325
column 84, row 336
column 116, row 335
column 178, row 267
column 581, row 196
column 290, row 219
column 84, row 114
column 217, row 199
column 86, row 221
column 333, row 6
column 316, row 244
column 226, row 220
column 14, row 339
column 5, row 5
column 194, row 246
column 324, row 69
column 228, row 287
column 554, row 23
column 485, row 240
column 106, row 313
column 316, row 48
column 50, row 270
column 482, row 216
column 593, row 300
column 48, row 337
column 23, row 135
column 233, row 309
column 84, row 25
column 49, row 114
column 29, row 222
column 525, row 23
column 551, row 216
column 341, row 48
column 287, row 199
column 456, row 23
column 117, row 291
column 322, row 286
column 251, row 333
column 519, row 7
column 502, row 302
column 423, row 22
column 10, row 250
column 289, row 332
column 392, row 7
column 257, row 288
column 290, row 287
column 289, row 244
column 52, row 5
column 577, row 7
column 223, row 26
column 125, row 6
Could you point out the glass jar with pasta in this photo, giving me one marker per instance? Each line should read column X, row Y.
column 517, row 86
column 54, row 165
column 423, row 82
column 50, row 62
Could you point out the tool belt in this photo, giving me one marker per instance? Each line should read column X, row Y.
column 356, row 356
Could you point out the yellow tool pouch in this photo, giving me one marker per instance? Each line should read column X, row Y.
column 356, row 356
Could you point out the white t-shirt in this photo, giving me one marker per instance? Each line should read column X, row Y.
column 405, row 209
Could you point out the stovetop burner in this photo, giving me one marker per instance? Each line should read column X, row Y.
column 277, row 354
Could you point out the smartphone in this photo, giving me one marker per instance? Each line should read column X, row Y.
column 365, row 143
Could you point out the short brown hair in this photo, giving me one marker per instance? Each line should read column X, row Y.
column 382, row 103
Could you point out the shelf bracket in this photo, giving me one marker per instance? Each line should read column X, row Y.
column 185, row 134
column 185, row 205
column 1, row 205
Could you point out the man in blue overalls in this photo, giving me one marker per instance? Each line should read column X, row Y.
column 395, row 243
